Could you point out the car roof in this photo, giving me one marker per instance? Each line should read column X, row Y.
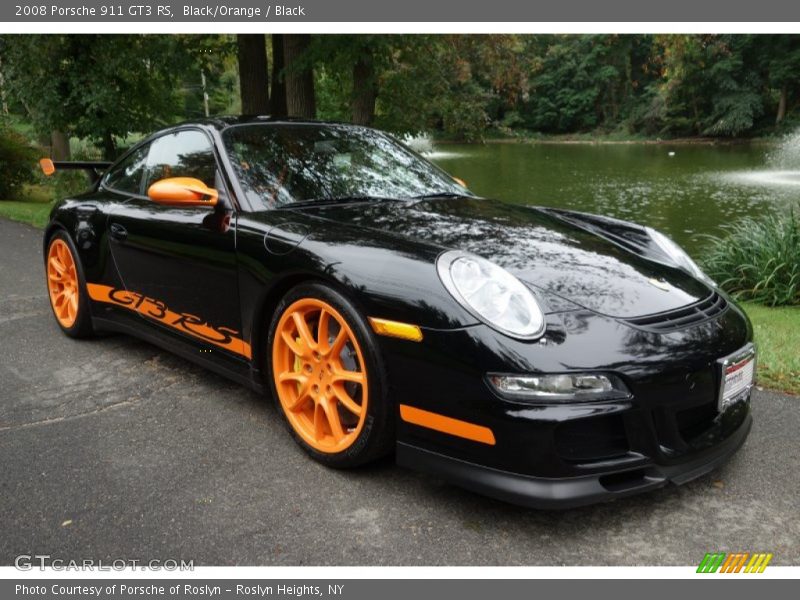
column 223, row 122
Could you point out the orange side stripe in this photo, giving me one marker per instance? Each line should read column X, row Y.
column 157, row 311
column 456, row 427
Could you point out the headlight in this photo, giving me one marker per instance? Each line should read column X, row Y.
column 491, row 293
column 678, row 255
column 560, row 387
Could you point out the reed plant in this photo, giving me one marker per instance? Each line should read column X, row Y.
column 758, row 259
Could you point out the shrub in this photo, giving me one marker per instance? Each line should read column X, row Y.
column 66, row 183
column 759, row 259
column 69, row 183
column 17, row 161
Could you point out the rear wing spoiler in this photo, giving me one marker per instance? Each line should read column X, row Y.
column 94, row 169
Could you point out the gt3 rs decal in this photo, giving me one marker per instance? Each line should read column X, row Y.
column 224, row 337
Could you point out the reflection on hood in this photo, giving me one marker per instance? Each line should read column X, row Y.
column 544, row 249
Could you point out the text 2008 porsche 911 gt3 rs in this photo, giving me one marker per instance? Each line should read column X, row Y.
column 547, row 357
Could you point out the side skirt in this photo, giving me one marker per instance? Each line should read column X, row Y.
column 244, row 376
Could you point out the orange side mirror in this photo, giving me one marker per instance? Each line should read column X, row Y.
column 182, row 191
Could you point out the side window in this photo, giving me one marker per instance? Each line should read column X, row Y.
column 127, row 176
column 181, row 154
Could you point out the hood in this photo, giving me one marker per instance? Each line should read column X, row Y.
column 566, row 254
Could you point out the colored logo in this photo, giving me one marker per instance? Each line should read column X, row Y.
column 735, row 562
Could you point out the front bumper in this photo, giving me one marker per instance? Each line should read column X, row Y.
column 562, row 455
column 545, row 493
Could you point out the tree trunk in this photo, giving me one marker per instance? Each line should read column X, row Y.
column 365, row 90
column 59, row 145
column 253, row 73
column 277, row 97
column 109, row 146
column 697, row 128
column 44, row 140
column 299, row 76
column 782, row 105
column 3, row 102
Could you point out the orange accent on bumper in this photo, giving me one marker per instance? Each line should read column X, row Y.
column 404, row 331
column 456, row 427
column 157, row 311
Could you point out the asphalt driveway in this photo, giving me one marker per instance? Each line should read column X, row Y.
column 112, row 448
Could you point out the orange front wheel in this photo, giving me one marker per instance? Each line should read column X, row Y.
column 322, row 365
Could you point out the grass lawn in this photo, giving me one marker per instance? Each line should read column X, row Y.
column 34, row 213
column 777, row 332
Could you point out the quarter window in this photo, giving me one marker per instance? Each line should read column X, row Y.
column 127, row 176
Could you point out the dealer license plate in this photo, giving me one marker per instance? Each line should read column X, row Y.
column 738, row 374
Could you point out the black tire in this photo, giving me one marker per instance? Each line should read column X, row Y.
column 377, row 436
column 82, row 327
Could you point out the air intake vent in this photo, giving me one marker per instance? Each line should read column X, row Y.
column 681, row 318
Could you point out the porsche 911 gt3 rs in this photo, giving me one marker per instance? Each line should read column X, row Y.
column 545, row 357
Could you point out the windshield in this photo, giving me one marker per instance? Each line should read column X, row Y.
column 281, row 164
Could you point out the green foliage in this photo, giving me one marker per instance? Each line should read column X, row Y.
column 67, row 183
column 759, row 260
column 215, row 57
column 334, row 57
column 100, row 87
column 459, row 85
column 667, row 85
column 17, row 160
column 580, row 83
column 332, row 93
column 105, row 88
column 711, row 85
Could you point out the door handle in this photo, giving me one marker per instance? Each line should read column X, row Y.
column 118, row 232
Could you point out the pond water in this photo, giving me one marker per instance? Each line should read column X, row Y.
column 683, row 190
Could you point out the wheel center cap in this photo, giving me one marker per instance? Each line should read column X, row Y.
column 320, row 371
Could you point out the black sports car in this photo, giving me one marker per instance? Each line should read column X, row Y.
column 546, row 357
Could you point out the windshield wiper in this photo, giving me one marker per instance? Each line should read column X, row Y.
column 339, row 200
column 440, row 195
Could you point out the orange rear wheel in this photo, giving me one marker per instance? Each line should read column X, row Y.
column 62, row 283
column 320, row 375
